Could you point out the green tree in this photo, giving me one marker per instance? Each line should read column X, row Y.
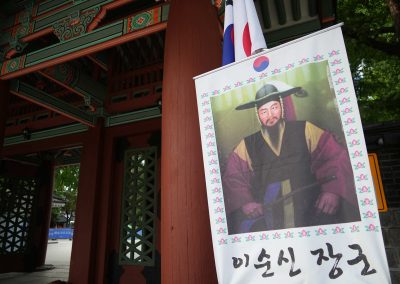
column 66, row 187
column 372, row 35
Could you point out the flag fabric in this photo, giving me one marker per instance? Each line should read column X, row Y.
column 242, row 29
column 228, row 53
column 256, row 35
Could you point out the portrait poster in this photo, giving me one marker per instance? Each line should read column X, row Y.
column 289, row 187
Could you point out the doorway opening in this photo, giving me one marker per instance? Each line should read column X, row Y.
column 62, row 217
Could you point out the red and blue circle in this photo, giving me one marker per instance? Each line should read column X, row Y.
column 261, row 63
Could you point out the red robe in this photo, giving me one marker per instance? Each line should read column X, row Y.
column 326, row 156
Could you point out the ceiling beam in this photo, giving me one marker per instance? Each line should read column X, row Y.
column 46, row 134
column 134, row 116
column 50, row 102
column 99, row 60
column 76, row 81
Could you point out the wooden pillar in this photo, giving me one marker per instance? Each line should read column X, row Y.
column 44, row 208
column 193, row 46
column 81, row 266
column 4, row 98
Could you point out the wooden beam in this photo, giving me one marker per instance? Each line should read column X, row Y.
column 76, row 81
column 64, row 141
column 49, row 122
column 114, row 34
column 43, row 18
column 4, row 101
column 98, row 61
column 47, row 101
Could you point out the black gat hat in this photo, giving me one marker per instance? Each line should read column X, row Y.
column 270, row 93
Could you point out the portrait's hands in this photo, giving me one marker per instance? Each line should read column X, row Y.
column 252, row 209
column 327, row 203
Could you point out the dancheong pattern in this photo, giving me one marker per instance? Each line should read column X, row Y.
column 143, row 20
column 13, row 64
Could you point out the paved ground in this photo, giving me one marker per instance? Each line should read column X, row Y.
column 56, row 268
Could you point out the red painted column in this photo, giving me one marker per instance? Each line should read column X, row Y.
column 43, row 208
column 82, row 262
column 4, row 98
column 193, row 46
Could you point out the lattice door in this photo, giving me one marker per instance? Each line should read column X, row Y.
column 17, row 196
column 137, row 239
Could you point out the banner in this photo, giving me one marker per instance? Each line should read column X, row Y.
column 291, row 197
column 61, row 233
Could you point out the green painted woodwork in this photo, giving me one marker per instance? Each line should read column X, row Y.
column 24, row 18
column 72, row 20
column 46, row 134
column 49, row 5
column 78, row 43
column 100, row 35
column 16, row 215
column 64, row 73
column 164, row 13
column 75, row 25
column 134, row 116
column 53, row 18
column 139, row 206
column 13, row 64
column 81, row 82
column 32, row 94
column 111, row 121
column 11, row 37
column 142, row 20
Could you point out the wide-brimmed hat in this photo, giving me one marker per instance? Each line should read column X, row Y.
column 269, row 93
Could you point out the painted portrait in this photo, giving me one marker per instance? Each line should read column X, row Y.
column 282, row 153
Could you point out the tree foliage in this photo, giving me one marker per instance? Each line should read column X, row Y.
column 66, row 187
column 371, row 31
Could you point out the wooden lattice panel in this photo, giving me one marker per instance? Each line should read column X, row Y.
column 17, row 197
column 137, row 239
